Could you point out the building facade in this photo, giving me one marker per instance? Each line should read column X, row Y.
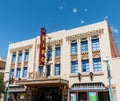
column 2, row 69
column 73, row 69
column 2, row 64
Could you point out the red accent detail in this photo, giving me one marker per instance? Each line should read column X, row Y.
column 42, row 46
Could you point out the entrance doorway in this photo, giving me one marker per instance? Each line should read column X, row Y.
column 82, row 96
column 48, row 94
column 103, row 96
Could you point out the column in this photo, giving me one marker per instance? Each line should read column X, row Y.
column 90, row 54
column 79, row 56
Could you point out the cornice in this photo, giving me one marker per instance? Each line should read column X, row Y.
column 22, row 48
column 85, row 35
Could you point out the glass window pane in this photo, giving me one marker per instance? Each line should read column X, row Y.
column 84, row 46
column 73, row 48
column 95, row 44
column 26, row 56
column 57, row 69
column 97, row 64
column 20, row 57
column 40, row 68
column 13, row 57
column 18, row 72
column 12, row 73
column 49, row 53
column 25, row 72
column 85, row 66
column 57, row 51
column 74, row 66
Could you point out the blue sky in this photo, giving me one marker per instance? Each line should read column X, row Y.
column 22, row 19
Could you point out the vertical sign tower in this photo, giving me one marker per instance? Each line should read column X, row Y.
column 42, row 46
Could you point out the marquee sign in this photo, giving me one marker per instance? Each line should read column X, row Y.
column 42, row 47
column 37, row 75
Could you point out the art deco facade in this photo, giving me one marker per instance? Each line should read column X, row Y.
column 74, row 68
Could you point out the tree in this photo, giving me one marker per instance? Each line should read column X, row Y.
column 2, row 84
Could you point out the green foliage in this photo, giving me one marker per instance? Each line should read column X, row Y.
column 2, row 84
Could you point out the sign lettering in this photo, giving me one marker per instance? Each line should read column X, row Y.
column 36, row 75
column 42, row 47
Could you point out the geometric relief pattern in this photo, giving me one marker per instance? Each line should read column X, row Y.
column 96, row 54
column 26, row 64
column 19, row 65
column 73, row 57
column 78, row 35
column 57, row 60
column 12, row 65
column 84, row 56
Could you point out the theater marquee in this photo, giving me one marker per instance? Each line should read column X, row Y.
column 42, row 47
column 36, row 75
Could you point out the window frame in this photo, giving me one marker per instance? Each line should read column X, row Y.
column 25, row 72
column 74, row 66
column 20, row 54
column 13, row 57
column 73, row 47
column 26, row 56
column 84, row 46
column 57, row 69
column 57, row 52
column 97, row 65
column 18, row 73
column 86, row 64
column 95, row 44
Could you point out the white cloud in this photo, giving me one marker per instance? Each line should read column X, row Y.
column 115, row 30
column 82, row 21
column 60, row 7
column 85, row 9
column 106, row 17
column 74, row 10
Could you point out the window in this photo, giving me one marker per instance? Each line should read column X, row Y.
column 57, row 69
column 49, row 53
column 18, row 72
column 85, row 66
column 13, row 57
column 73, row 48
column 11, row 73
column 20, row 57
column 95, row 44
column 84, row 46
column 48, row 70
column 74, row 67
column 40, row 68
column 26, row 56
column 25, row 71
column 97, row 64
column 57, row 51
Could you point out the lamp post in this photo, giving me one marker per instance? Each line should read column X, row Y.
column 106, row 60
column 7, row 96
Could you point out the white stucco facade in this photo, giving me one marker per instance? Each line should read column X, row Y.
column 64, row 38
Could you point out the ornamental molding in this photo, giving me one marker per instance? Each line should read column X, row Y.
column 74, row 57
column 57, row 60
column 26, row 64
column 55, row 42
column 85, row 35
column 22, row 48
column 84, row 56
column 96, row 54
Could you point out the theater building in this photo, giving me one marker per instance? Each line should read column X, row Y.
column 73, row 68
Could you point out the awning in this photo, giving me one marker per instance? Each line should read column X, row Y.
column 43, row 82
column 17, row 88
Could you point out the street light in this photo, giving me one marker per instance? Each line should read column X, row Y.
column 106, row 60
column 8, row 87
